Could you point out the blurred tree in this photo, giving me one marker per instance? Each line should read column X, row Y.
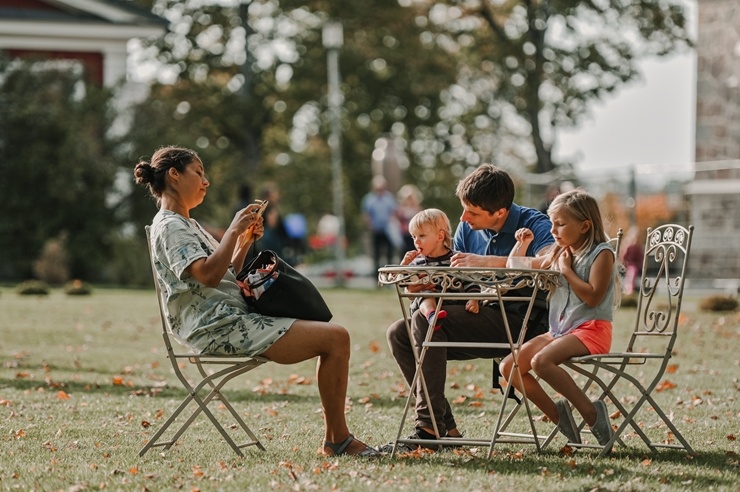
column 227, row 81
column 451, row 84
column 55, row 167
column 539, row 65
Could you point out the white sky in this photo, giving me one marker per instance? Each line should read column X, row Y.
column 649, row 124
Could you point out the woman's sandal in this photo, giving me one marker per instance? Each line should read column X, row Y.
column 340, row 448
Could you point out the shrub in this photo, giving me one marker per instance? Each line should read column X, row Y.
column 33, row 288
column 77, row 288
column 718, row 303
column 628, row 301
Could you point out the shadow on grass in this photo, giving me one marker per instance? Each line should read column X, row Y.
column 665, row 467
column 169, row 392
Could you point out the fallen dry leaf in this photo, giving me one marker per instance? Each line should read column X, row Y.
column 62, row 395
column 665, row 385
column 459, row 400
column 375, row 347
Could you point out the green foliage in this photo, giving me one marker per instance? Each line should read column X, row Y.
column 719, row 303
column 55, row 166
column 451, row 87
column 628, row 301
column 32, row 288
column 542, row 65
column 129, row 264
column 244, row 84
column 77, row 287
column 254, row 124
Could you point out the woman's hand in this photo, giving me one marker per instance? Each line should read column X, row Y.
column 258, row 229
column 245, row 288
column 246, row 218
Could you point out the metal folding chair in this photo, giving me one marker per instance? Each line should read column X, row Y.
column 207, row 389
column 641, row 366
column 615, row 243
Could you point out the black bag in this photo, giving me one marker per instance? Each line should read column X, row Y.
column 287, row 294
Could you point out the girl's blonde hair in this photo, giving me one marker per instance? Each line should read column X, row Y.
column 435, row 218
column 583, row 207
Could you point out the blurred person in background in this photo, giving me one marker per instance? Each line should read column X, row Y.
column 378, row 208
column 409, row 204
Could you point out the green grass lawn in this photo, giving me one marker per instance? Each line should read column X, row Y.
column 81, row 374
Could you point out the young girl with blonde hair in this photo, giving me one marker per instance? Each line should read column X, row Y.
column 580, row 314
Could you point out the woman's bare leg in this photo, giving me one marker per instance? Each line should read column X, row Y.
column 331, row 344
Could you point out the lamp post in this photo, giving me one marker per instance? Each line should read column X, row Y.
column 333, row 39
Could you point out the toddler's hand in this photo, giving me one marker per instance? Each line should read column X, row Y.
column 472, row 306
column 409, row 257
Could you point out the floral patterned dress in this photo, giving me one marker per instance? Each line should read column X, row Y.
column 210, row 320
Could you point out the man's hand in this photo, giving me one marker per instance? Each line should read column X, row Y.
column 471, row 260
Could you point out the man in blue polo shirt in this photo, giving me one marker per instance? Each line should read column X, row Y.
column 484, row 238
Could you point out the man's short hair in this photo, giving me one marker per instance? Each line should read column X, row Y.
column 488, row 187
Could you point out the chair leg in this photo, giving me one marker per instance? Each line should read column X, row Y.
column 629, row 415
column 222, row 377
column 154, row 441
column 671, row 426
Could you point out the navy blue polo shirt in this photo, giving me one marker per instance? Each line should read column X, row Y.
column 488, row 242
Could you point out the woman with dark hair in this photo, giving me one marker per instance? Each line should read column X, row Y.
column 203, row 299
